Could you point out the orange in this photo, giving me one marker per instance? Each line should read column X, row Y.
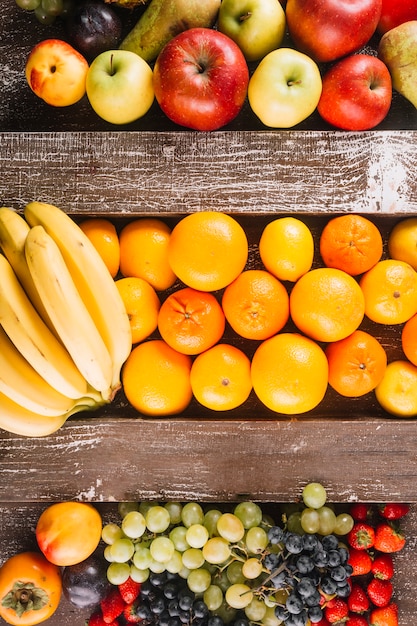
column 256, row 304
column 103, row 235
column 390, row 290
column 286, row 248
column 144, row 252
column 409, row 339
column 142, row 305
column 289, row 373
column 191, row 321
column 208, row 250
column 156, row 379
column 351, row 243
column 356, row 364
column 402, row 241
column 397, row 392
column 221, row 378
column 327, row 304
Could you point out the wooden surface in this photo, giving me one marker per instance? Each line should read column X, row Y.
column 73, row 159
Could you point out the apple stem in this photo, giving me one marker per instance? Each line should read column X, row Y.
column 112, row 70
column 290, row 83
column 246, row 16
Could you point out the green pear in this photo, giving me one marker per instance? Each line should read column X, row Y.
column 163, row 19
column 398, row 50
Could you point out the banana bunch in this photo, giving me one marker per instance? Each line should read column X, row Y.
column 64, row 330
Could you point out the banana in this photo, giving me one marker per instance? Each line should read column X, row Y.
column 33, row 339
column 92, row 279
column 67, row 311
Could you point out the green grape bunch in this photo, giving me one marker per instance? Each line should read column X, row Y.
column 46, row 11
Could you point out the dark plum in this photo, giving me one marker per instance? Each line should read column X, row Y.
column 85, row 584
column 93, row 27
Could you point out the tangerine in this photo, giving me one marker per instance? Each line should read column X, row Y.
column 357, row 364
column 289, row 373
column 208, row 250
column 142, row 306
column 390, row 291
column 144, row 252
column 256, row 304
column 402, row 241
column 397, row 391
column 286, row 248
column 191, row 321
column 327, row 304
column 220, row 377
column 103, row 235
column 351, row 243
column 409, row 339
column 156, row 379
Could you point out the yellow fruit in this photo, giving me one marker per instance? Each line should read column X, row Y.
column 402, row 241
column 286, row 248
column 397, row 392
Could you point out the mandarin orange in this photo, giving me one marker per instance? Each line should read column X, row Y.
column 402, row 241
column 103, row 235
column 409, row 339
column 142, row 305
column 397, row 391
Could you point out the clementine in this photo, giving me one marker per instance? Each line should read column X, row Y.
column 142, row 306
column 207, row 250
column 220, row 377
column 191, row 321
column 286, row 248
column 156, row 379
column 397, row 391
column 144, row 252
column 103, row 235
column 390, row 291
column 351, row 243
column 256, row 304
column 327, row 304
column 357, row 364
column 402, row 241
column 289, row 373
column 409, row 339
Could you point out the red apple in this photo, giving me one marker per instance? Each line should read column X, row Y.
column 357, row 93
column 396, row 12
column 201, row 79
column 327, row 30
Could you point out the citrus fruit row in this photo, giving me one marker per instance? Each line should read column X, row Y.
column 296, row 301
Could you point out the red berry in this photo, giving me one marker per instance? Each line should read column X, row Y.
column 383, row 567
column 358, row 601
column 388, row 539
column 360, row 561
column 361, row 512
column 384, row 616
column 336, row 610
column 129, row 590
column 379, row 592
column 356, row 620
column 394, row 510
column 96, row 619
column 361, row 537
column 112, row 606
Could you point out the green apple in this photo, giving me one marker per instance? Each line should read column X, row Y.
column 120, row 86
column 257, row 26
column 285, row 88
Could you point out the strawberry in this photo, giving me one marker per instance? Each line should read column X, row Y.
column 96, row 619
column 362, row 536
column 361, row 512
column 388, row 539
column 129, row 590
column 383, row 567
column 130, row 612
column 356, row 620
column 360, row 561
column 379, row 592
column 358, row 601
column 112, row 606
column 336, row 610
column 322, row 622
column 384, row 616
column 393, row 510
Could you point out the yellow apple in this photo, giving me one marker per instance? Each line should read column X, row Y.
column 56, row 72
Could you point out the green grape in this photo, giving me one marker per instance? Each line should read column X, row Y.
column 255, row 611
column 184, row 572
column 174, row 509
column 310, row 520
column 226, row 612
column 270, row 619
column 192, row 558
column 157, row 519
column 249, row 513
column 175, row 564
column 125, row 507
column 210, row 521
column 122, row 550
column 118, row 573
column 230, row 527
column 192, row 513
column 142, row 557
column 133, row 524
column 199, row 580
column 178, row 537
column 52, row 7
column 294, row 523
column 270, row 602
column 314, row 495
column 238, row 596
column 156, row 567
column 256, row 540
column 139, row 575
column 221, row 579
column 145, row 505
column 213, row 597
column 344, row 524
column 162, row 549
column 44, row 18
column 234, row 572
column 281, row 595
column 252, row 568
column 107, row 554
column 216, row 550
column 110, row 533
column 28, row 5
column 197, row 535
column 327, row 520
